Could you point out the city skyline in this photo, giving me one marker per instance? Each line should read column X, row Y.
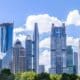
column 25, row 13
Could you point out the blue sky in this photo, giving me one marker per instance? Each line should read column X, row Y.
column 43, row 11
column 18, row 10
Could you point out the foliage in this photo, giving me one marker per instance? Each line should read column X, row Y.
column 28, row 76
column 18, row 76
column 55, row 77
column 43, row 76
column 6, row 74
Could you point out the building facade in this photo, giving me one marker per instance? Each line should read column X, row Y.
column 28, row 49
column 75, row 62
column 0, row 64
column 58, row 49
column 15, row 60
column 69, row 60
column 36, row 48
column 79, row 57
column 41, row 69
column 6, row 36
column 69, row 56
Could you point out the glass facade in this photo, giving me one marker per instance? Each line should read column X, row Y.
column 69, row 56
column 15, row 60
column 36, row 48
column 28, row 47
column 6, row 36
column 58, row 48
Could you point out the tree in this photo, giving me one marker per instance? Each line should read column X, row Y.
column 55, row 77
column 6, row 74
column 43, row 76
column 28, row 76
column 65, row 77
column 73, row 77
column 18, row 76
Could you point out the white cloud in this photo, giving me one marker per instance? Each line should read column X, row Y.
column 44, row 59
column 73, row 18
column 72, row 41
column 44, row 22
column 2, row 55
column 45, row 43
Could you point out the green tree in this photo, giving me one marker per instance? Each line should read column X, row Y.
column 65, row 77
column 28, row 76
column 18, row 76
column 6, row 74
column 55, row 77
column 73, row 77
column 43, row 76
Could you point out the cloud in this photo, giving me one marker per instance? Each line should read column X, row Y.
column 73, row 18
column 44, row 22
column 45, row 43
column 44, row 59
column 73, row 41
column 2, row 55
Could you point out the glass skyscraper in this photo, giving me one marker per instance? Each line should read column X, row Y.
column 58, row 49
column 6, row 36
column 36, row 48
column 28, row 49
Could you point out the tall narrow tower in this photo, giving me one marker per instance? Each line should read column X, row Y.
column 28, row 47
column 58, row 49
column 36, row 48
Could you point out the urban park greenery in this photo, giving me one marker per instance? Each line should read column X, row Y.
column 6, row 74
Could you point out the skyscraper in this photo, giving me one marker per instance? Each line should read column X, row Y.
column 28, row 49
column 15, row 60
column 41, row 69
column 58, row 49
column 0, row 64
column 69, row 60
column 76, row 62
column 69, row 56
column 6, row 36
column 35, row 48
column 19, row 58
column 79, row 58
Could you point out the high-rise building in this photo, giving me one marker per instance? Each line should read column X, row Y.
column 36, row 48
column 41, row 69
column 69, row 60
column 79, row 58
column 28, row 49
column 69, row 57
column 19, row 58
column 6, row 36
column 15, row 60
column 58, row 49
column 0, row 64
column 75, row 62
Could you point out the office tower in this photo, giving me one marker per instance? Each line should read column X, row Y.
column 35, row 48
column 41, row 69
column 75, row 62
column 69, row 57
column 58, row 49
column 6, row 36
column 69, row 60
column 0, row 64
column 28, row 47
column 19, row 58
column 79, row 58
column 15, row 60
